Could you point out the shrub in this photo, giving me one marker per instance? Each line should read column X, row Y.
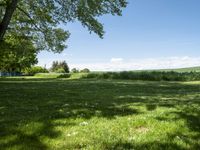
column 74, row 70
column 66, row 75
column 57, row 66
column 60, row 70
column 35, row 69
column 86, row 70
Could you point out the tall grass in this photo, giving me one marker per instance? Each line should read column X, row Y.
column 146, row 75
column 129, row 75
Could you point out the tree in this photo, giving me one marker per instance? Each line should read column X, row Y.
column 60, row 67
column 74, row 70
column 17, row 54
column 64, row 66
column 40, row 19
column 85, row 70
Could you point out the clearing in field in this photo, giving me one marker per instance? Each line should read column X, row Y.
column 99, row 114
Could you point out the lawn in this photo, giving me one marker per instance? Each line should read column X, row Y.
column 99, row 114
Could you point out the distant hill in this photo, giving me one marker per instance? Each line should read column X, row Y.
column 189, row 69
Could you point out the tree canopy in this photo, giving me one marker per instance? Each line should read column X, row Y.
column 60, row 67
column 17, row 54
column 40, row 20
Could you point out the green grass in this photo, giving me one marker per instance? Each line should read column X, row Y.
column 99, row 114
column 48, row 75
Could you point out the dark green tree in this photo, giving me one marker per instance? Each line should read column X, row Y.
column 34, row 70
column 40, row 19
column 65, row 66
column 17, row 54
column 60, row 67
column 74, row 70
column 85, row 70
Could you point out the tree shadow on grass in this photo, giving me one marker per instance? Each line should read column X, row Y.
column 24, row 102
column 44, row 101
column 20, row 140
column 144, row 146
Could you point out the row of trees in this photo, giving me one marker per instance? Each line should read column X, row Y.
column 22, row 61
column 75, row 70
column 62, row 67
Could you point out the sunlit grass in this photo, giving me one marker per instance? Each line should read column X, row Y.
column 99, row 114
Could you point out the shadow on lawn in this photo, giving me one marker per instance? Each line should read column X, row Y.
column 146, row 146
column 156, row 145
column 41, row 102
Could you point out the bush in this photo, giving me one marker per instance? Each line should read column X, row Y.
column 33, row 70
column 74, row 70
column 86, row 70
column 60, row 67
column 66, row 75
column 60, row 70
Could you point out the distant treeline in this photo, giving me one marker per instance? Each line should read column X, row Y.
column 146, row 75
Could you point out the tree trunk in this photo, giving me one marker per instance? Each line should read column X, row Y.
column 10, row 8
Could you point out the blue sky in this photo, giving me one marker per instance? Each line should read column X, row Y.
column 151, row 34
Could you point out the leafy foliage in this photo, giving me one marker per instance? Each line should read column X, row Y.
column 74, row 70
column 34, row 70
column 60, row 67
column 41, row 20
column 60, row 70
column 17, row 54
column 85, row 70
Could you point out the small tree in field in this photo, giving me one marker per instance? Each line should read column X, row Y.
column 74, row 70
column 85, row 70
column 58, row 66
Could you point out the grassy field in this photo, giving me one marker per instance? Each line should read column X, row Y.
column 99, row 114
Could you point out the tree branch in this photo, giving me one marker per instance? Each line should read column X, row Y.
column 10, row 8
column 33, row 22
column 23, row 11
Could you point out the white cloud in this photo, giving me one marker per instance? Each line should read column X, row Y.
column 116, row 60
column 120, row 64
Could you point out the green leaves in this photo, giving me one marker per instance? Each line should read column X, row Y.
column 40, row 19
column 55, row 39
column 17, row 54
column 60, row 67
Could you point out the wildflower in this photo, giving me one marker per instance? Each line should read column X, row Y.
column 84, row 123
